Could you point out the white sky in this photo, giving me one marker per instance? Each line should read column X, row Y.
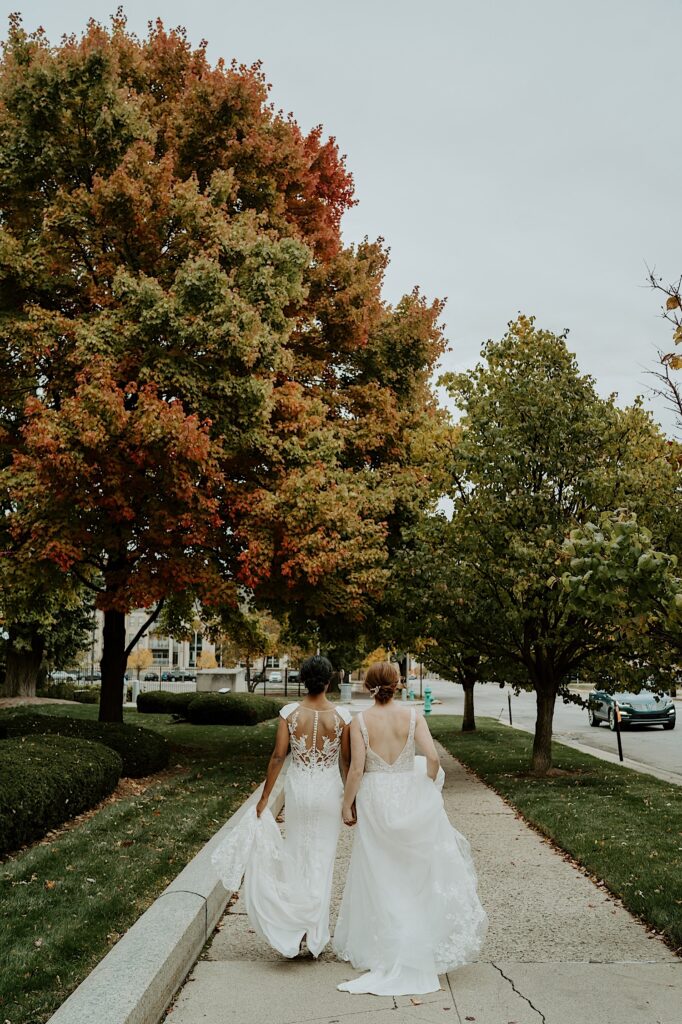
column 515, row 154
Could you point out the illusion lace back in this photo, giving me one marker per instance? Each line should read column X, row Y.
column 410, row 909
column 315, row 738
column 288, row 879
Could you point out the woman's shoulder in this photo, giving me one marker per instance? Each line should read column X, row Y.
column 287, row 709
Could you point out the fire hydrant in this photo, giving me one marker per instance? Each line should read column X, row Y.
column 427, row 700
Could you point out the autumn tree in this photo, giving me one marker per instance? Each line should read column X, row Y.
column 668, row 385
column 183, row 256
column 139, row 659
column 536, row 454
column 207, row 660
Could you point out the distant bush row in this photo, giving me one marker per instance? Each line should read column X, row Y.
column 211, row 708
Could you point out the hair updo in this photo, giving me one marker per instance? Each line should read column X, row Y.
column 316, row 673
column 382, row 680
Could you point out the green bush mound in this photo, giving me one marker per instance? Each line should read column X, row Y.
column 158, row 702
column 142, row 751
column 89, row 695
column 46, row 780
column 232, row 709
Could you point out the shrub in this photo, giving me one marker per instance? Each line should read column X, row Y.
column 46, row 780
column 159, row 702
column 62, row 690
column 142, row 751
column 232, row 709
column 90, row 695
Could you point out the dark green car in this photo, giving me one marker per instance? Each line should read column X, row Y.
column 643, row 708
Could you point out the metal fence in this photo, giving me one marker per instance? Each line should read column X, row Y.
column 167, row 685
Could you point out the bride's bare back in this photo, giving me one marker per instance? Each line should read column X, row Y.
column 388, row 727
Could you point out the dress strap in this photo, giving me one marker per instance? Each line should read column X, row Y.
column 413, row 722
column 363, row 729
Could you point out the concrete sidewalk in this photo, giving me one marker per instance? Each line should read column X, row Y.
column 559, row 949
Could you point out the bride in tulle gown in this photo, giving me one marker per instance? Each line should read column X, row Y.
column 287, row 880
column 410, row 909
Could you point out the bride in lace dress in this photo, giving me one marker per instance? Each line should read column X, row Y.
column 410, row 909
column 287, row 880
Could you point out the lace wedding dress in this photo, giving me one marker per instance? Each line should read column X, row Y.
column 410, row 909
column 288, row 879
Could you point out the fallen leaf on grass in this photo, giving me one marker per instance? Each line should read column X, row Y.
column 38, row 943
column 50, row 885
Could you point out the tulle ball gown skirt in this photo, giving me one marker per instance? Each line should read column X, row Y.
column 410, row 908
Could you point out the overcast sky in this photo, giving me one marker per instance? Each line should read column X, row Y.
column 515, row 154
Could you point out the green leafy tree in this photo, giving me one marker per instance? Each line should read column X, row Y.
column 536, row 454
column 630, row 591
column 46, row 617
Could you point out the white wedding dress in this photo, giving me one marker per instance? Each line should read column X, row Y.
column 410, row 909
column 287, row 880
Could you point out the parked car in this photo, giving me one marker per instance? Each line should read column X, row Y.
column 62, row 677
column 151, row 677
column 643, row 708
column 275, row 677
column 178, row 676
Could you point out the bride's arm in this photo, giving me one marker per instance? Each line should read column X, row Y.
column 345, row 751
column 277, row 759
column 355, row 772
column 424, row 741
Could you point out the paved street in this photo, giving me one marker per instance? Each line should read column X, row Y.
column 560, row 950
column 654, row 747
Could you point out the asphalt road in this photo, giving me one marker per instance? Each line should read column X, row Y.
column 654, row 747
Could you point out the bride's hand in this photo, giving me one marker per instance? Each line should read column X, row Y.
column 261, row 805
column 348, row 815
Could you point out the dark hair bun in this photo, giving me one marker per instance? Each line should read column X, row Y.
column 316, row 673
column 382, row 680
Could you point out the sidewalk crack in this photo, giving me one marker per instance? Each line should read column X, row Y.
column 518, row 993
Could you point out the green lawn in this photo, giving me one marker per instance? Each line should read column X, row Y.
column 623, row 826
column 69, row 900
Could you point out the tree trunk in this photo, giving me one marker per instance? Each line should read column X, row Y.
column 113, row 666
column 468, row 720
column 542, row 743
column 22, row 668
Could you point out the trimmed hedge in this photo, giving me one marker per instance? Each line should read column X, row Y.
column 46, row 780
column 142, row 751
column 90, row 695
column 159, row 702
column 232, row 709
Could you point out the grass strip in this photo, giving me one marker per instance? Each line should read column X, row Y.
column 624, row 827
column 70, row 899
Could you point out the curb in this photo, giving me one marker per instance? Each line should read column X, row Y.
column 137, row 979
